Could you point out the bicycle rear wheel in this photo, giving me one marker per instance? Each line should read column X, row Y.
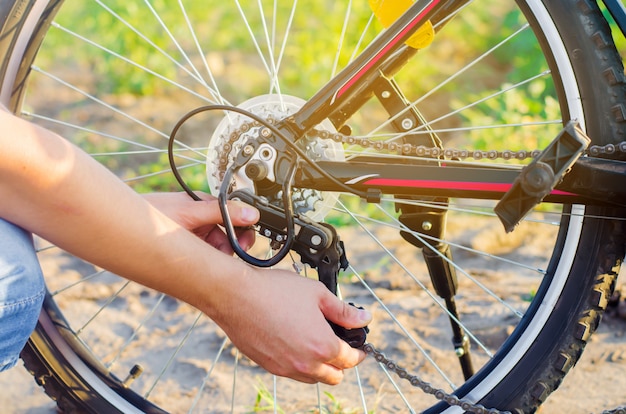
column 115, row 77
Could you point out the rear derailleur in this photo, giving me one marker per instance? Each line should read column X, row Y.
column 318, row 245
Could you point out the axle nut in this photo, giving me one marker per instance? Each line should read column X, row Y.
column 256, row 170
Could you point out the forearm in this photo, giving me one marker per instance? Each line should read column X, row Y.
column 55, row 190
column 279, row 320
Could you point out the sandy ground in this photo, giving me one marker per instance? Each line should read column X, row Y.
column 597, row 383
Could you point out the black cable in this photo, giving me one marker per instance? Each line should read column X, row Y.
column 230, row 230
column 223, row 193
column 263, row 122
column 170, row 153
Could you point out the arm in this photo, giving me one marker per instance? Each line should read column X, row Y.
column 53, row 189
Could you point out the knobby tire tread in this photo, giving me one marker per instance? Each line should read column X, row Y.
column 608, row 71
column 571, row 347
column 51, row 384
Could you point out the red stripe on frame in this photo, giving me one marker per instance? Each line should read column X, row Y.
column 448, row 185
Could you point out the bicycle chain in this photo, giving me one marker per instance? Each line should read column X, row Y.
column 429, row 152
column 451, row 153
column 426, row 387
column 440, row 394
column 411, row 149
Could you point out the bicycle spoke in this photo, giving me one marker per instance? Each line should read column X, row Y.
column 264, row 60
column 472, row 64
column 108, row 106
column 78, row 282
column 272, row 70
column 395, row 386
column 235, row 369
column 217, row 95
column 287, row 31
column 135, row 64
column 357, row 46
column 275, row 393
column 422, row 238
column 167, row 171
column 404, row 330
column 398, row 226
column 88, row 130
column 458, row 73
column 176, row 151
column 422, row 286
column 103, row 307
column 319, row 398
column 470, row 105
column 133, row 335
column 342, row 37
column 176, row 43
column 489, row 292
column 361, row 391
column 208, row 375
column 148, row 149
column 173, row 355
column 194, row 75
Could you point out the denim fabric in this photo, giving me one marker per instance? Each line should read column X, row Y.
column 21, row 291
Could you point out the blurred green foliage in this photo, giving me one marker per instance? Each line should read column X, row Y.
column 308, row 62
column 143, row 33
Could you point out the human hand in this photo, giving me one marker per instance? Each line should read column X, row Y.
column 203, row 217
column 278, row 319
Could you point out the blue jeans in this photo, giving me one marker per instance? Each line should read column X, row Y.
column 22, row 291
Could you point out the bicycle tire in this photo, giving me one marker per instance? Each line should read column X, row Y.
column 533, row 361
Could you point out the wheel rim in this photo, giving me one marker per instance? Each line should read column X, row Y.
column 64, row 291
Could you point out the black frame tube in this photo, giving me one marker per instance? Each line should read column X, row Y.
column 592, row 181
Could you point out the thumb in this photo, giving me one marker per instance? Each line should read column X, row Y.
column 344, row 314
column 242, row 214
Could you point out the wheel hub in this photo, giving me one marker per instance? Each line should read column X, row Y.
column 228, row 139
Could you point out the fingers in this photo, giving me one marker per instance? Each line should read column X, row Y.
column 216, row 237
column 241, row 214
column 246, row 237
column 332, row 371
column 339, row 356
column 344, row 314
column 347, row 357
column 202, row 217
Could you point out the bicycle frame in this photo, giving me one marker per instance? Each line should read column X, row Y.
column 618, row 12
column 590, row 181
